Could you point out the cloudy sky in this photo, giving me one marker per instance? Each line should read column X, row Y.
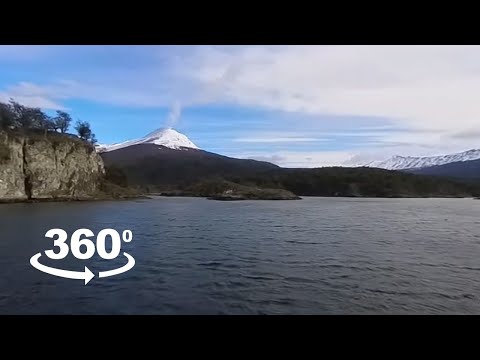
column 293, row 105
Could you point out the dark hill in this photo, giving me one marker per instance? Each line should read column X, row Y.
column 460, row 170
column 158, row 169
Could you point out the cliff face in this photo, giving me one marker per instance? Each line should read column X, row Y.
column 52, row 167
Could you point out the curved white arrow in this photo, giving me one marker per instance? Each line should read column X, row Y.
column 86, row 275
column 130, row 264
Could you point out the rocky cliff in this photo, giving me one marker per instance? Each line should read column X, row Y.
column 56, row 166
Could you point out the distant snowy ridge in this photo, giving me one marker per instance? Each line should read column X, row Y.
column 409, row 162
column 169, row 138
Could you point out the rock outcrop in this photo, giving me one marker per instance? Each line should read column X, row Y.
column 55, row 166
column 255, row 194
column 229, row 191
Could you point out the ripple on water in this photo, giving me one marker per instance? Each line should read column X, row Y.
column 315, row 256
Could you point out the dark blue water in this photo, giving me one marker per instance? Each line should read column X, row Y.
column 195, row 256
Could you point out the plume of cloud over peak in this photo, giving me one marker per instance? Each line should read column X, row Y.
column 174, row 115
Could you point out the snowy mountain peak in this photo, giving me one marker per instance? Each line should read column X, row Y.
column 398, row 162
column 167, row 137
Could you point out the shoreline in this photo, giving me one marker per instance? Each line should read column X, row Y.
column 151, row 196
column 63, row 200
column 315, row 196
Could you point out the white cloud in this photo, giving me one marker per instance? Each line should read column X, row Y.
column 309, row 159
column 278, row 139
column 419, row 86
column 46, row 97
column 32, row 100
column 433, row 91
column 51, row 95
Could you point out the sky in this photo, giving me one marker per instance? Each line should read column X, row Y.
column 296, row 105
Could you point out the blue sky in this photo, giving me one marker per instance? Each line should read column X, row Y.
column 293, row 105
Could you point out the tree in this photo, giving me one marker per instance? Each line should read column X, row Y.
column 22, row 115
column 37, row 118
column 30, row 119
column 85, row 132
column 7, row 119
column 62, row 121
column 47, row 124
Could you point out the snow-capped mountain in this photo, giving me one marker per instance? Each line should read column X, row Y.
column 169, row 138
column 409, row 162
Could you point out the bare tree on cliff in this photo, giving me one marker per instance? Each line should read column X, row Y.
column 40, row 120
column 85, row 132
column 22, row 115
column 28, row 118
column 62, row 121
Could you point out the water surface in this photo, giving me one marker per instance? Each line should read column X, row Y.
column 195, row 256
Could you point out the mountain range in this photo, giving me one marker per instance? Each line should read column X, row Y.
column 166, row 161
column 171, row 139
column 409, row 162
column 462, row 170
column 461, row 166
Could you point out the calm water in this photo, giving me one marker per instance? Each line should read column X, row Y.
column 195, row 256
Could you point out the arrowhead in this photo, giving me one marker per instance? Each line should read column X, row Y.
column 88, row 275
